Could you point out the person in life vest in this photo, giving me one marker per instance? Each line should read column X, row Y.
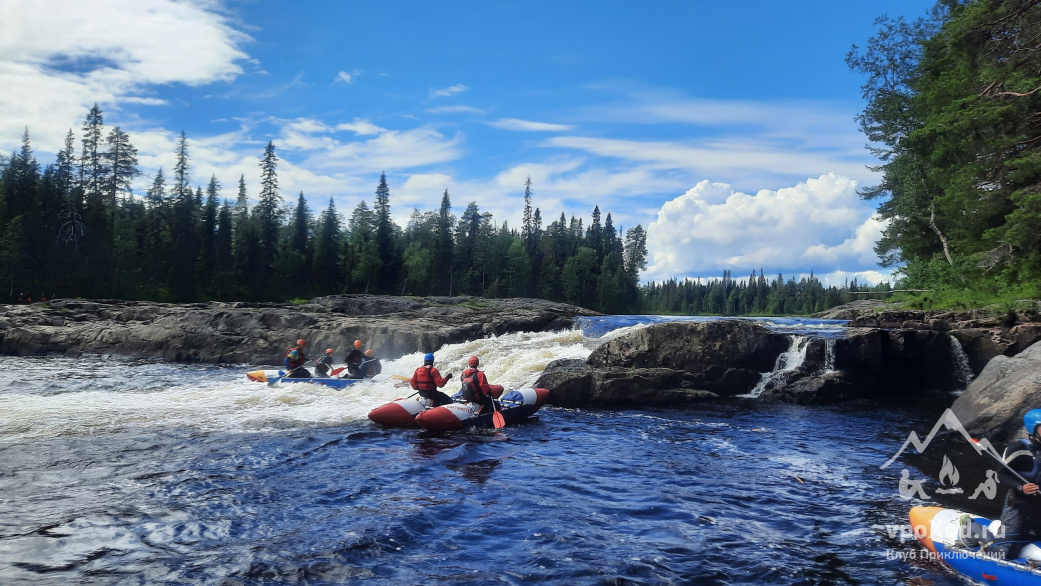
column 295, row 361
column 324, row 364
column 370, row 365
column 353, row 361
column 427, row 379
column 476, row 388
column 1021, row 513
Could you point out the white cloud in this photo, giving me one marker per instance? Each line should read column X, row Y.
column 344, row 77
column 715, row 158
column 454, row 110
column 448, row 91
column 360, row 127
column 61, row 56
column 390, row 149
column 529, row 126
column 820, row 224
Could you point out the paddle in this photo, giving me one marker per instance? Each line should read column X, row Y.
column 1005, row 464
column 336, row 371
column 274, row 381
column 498, row 420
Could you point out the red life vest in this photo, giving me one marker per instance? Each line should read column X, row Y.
column 422, row 379
column 477, row 380
column 300, row 358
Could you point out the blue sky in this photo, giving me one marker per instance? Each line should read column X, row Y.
column 726, row 130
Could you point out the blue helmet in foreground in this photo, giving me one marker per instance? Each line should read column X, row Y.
column 1031, row 420
column 430, row 358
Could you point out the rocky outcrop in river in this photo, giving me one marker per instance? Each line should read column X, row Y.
column 994, row 404
column 259, row 333
column 888, row 354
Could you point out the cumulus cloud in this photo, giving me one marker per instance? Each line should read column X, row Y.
column 58, row 57
column 344, row 77
column 448, row 91
column 820, row 224
column 529, row 126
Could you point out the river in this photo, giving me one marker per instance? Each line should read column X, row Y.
column 115, row 471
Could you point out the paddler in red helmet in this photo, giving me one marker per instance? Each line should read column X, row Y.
column 295, row 361
column 476, row 388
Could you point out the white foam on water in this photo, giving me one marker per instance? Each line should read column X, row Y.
column 48, row 400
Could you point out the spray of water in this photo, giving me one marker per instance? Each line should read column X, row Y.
column 51, row 397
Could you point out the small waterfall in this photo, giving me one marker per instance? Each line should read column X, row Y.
column 963, row 374
column 787, row 362
column 829, row 355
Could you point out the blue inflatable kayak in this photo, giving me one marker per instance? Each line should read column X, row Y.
column 971, row 545
column 277, row 376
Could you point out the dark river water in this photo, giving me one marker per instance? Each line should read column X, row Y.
column 121, row 472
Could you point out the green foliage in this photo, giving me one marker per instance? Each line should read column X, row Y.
column 954, row 115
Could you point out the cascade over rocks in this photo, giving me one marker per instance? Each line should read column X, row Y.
column 682, row 362
column 260, row 333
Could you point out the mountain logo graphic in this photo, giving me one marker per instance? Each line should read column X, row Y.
column 950, row 421
column 949, row 475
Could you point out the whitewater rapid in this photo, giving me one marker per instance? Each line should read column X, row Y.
column 57, row 396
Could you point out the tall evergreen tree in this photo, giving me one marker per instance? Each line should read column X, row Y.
column 385, row 236
column 444, row 247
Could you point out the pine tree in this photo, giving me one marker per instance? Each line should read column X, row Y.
column 92, row 164
column 385, row 237
column 327, row 268
column 267, row 216
column 444, row 246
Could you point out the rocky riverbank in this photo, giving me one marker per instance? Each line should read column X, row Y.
column 259, row 333
column 881, row 355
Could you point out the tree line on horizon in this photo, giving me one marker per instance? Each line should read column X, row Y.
column 76, row 229
column 954, row 116
column 755, row 295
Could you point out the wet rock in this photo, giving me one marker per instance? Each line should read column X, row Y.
column 575, row 383
column 994, row 404
column 695, row 347
column 820, row 389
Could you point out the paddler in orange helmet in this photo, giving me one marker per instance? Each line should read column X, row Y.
column 324, row 364
column 353, row 361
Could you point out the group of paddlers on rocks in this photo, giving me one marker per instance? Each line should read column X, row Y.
column 475, row 387
column 358, row 364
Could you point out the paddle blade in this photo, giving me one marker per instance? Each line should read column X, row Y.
column 336, row 371
column 498, row 420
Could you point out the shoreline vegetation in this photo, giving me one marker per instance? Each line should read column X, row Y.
column 75, row 229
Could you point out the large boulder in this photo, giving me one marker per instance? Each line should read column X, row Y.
column 670, row 363
column 575, row 383
column 695, row 347
column 994, row 404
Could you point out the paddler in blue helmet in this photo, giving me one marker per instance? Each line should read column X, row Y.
column 1021, row 514
column 427, row 379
